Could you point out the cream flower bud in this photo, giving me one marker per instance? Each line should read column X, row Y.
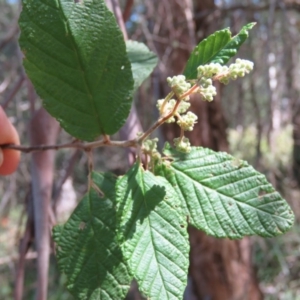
column 208, row 93
column 187, row 122
column 183, row 107
column 169, row 106
column 182, row 144
column 178, row 84
column 150, row 145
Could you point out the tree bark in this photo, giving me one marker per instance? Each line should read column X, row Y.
column 43, row 130
column 221, row 268
column 291, row 57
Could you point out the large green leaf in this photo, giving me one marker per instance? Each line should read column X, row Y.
column 153, row 233
column 224, row 196
column 218, row 48
column 87, row 248
column 75, row 55
column 143, row 61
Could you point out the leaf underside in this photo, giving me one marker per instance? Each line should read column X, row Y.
column 153, row 234
column 226, row 197
column 87, row 248
column 143, row 61
column 75, row 56
column 217, row 48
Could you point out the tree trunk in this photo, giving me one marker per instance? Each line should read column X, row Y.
column 221, row 269
column 291, row 58
column 43, row 130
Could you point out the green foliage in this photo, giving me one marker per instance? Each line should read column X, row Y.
column 225, row 196
column 143, row 61
column 75, row 56
column 217, row 48
column 136, row 226
column 233, row 45
column 87, row 248
column 153, row 234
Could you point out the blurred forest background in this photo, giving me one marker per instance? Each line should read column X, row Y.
column 256, row 119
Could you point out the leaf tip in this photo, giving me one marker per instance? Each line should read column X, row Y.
column 251, row 25
column 248, row 27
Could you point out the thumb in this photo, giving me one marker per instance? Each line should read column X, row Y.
column 1, row 157
column 9, row 159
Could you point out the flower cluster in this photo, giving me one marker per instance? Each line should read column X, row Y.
column 167, row 106
column 215, row 71
column 210, row 70
column 187, row 121
column 150, row 147
column 208, row 92
column 179, row 85
column 182, row 89
column 238, row 69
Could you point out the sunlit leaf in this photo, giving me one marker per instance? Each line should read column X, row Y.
column 75, row 56
column 143, row 61
column 153, row 233
column 224, row 196
column 218, row 48
column 87, row 248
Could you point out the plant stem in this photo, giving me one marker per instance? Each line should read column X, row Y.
column 162, row 120
column 105, row 142
column 76, row 145
column 169, row 96
column 189, row 92
column 158, row 123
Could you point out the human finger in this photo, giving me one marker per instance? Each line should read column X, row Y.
column 8, row 135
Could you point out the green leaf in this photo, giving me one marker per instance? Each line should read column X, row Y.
column 143, row 61
column 218, row 48
column 226, row 197
column 233, row 46
column 75, row 56
column 87, row 248
column 153, row 233
column 205, row 52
